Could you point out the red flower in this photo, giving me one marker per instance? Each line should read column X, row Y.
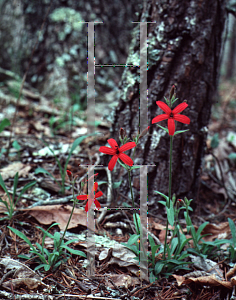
column 171, row 115
column 117, row 153
column 91, row 198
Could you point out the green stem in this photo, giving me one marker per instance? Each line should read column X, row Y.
column 169, row 195
column 74, row 203
column 132, row 197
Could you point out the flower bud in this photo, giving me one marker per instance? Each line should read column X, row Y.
column 69, row 174
column 144, row 132
column 122, row 133
column 172, row 91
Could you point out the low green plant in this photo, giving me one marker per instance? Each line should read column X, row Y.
column 61, row 169
column 13, row 200
column 3, row 124
column 232, row 246
column 46, row 259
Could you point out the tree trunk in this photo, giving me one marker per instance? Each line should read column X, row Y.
column 183, row 48
column 59, row 65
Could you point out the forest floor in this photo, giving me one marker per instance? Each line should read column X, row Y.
column 38, row 123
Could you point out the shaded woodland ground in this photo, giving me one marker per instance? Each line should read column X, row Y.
column 39, row 122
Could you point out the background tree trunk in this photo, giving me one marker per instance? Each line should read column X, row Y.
column 59, row 64
column 183, row 48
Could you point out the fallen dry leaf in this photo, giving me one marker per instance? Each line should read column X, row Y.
column 49, row 214
column 11, row 170
column 204, row 280
column 2, row 205
column 218, row 231
column 23, row 275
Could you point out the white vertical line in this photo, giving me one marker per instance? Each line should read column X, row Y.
column 91, row 226
column 143, row 77
column 144, row 224
column 91, row 80
column 91, row 129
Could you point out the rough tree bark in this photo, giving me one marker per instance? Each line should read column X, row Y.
column 184, row 49
column 59, row 64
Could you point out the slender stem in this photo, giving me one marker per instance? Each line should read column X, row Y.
column 132, row 197
column 170, row 170
column 169, row 195
column 74, row 203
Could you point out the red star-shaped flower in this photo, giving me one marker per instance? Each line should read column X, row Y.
column 117, row 153
column 171, row 115
column 91, row 198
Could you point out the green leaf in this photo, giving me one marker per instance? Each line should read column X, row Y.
column 4, row 123
column 200, row 229
column 135, row 167
column 76, row 252
column 52, row 257
column 16, row 145
column 70, row 241
column 174, row 244
column 164, row 196
column 15, row 183
column 151, row 241
column 154, row 250
column 137, row 222
column 39, row 247
column 133, row 248
column 56, row 239
column 22, row 236
column 152, row 277
column 180, row 131
column 40, row 256
column 158, row 267
column 166, row 130
column 215, row 141
column 58, row 264
column 116, row 184
column 232, row 228
column 23, row 256
column 101, row 182
column 42, row 170
column 162, row 202
column 171, row 214
column 45, row 266
column 133, row 239
column 122, row 164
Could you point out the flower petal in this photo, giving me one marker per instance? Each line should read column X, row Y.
column 160, row 118
column 95, row 186
column 112, row 162
column 126, row 159
column 113, row 143
column 179, row 108
column 82, row 197
column 171, row 126
column 107, row 150
column 98, row 205
column 164, row 107
column 182, row 119
column 98, row 194
column 127, row 146
column 86, row 207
